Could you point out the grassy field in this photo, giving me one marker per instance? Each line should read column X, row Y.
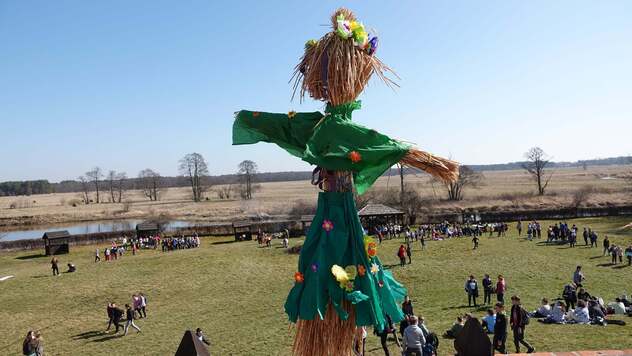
column 236, row 291
column 500, row 190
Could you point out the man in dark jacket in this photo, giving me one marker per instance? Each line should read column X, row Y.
column 117, row 313
column 110, row 311
column 471, row 288
column 519, row 320
column 487, row 289
column 500, row 329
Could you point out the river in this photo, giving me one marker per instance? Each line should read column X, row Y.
column 36, row 232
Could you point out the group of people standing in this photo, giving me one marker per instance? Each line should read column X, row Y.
column 489, row 288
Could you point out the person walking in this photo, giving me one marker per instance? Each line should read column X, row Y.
column 519, row 320
column 117, row 314
column 414, row 339
column 129, row 313
column 422, row 241
column 143, row 305
column 471, row 288
column 500, row 329
column 110, row 311
column 501, row 287
column 519, row 228
column 586, row 233
column 487, row 289
column 578, row 276
column 107, row 254
column 475, row 241
column 409, row 253
column 54, row 265
column 96, row 255
column 606, row 245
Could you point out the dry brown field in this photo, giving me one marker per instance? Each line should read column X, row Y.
column 500, row 190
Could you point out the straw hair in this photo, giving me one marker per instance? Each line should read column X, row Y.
column 335, row 70
column 442, row 168
column 328, row 337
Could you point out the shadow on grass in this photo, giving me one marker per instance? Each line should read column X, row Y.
column 478, row 307
column 89, row 334
column 621, row 266
column 223, row 242
column 595, row 257
column 605, row 264
column 30, row 257
column 109, row 337
column 41, row 276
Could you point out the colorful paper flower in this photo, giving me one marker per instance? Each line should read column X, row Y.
column 380, row 284
column 341, row 275
column 298, row 277
column 255, row 114
column 375, row 268
column 314, row 267
column 310, row 44
column 355, row 156
column 372, row 45
column 348, row 286
column 361, row 270
column 328, row 225
column 291, row 114
column 370, row 246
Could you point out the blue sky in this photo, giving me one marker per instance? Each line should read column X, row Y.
column 128, row 85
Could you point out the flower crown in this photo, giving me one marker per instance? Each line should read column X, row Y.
column 355, row 30
column 352, row 29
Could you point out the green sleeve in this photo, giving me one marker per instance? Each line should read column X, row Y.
column 336, row 138
column 289, row 131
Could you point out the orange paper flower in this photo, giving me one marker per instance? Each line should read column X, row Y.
column 328, row 225
column 361, row 270
column 255, row 114
column 291, row 114
column 298, row 277
column 355, row 156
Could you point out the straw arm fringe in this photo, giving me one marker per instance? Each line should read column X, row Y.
column 442, row 168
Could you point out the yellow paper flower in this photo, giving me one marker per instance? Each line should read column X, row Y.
column 351, row 272
column 291, row 114
column 341, row 275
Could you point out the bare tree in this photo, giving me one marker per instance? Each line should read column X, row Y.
column 85, row 188
column 150, row 183
column 225, row 191
column 537, row 161
column 121, row 179
column 467, row 178
column 247, row 172
column 95, row 176
column 193, row 166
column 111, row 178
column 581, row 195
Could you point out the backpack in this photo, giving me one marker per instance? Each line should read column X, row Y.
column 26, row 348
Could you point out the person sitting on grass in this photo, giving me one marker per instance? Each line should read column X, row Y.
column 71, row 268
column 595, row 310
column 580, row 315
column 489, row 321
column 583, row 295
column 455, row 329
column 201, row 337
column 617, row 307
column 543, row 311
column 558, row 314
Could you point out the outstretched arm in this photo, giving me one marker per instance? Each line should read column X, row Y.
column 289, row 131
column 436, row 166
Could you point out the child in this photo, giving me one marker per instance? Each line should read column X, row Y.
column 500, row 329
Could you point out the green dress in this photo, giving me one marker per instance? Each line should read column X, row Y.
column 336, row 237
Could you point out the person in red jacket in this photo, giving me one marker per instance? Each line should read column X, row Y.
column 501, row 287
column 402, row 255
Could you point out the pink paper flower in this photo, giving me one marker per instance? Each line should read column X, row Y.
column 328, row 225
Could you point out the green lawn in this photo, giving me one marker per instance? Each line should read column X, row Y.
column 236, row 291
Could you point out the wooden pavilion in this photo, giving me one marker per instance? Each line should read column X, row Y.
column 56, row 242
column 147, row 229
column 373, row 215
column 242, row 230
